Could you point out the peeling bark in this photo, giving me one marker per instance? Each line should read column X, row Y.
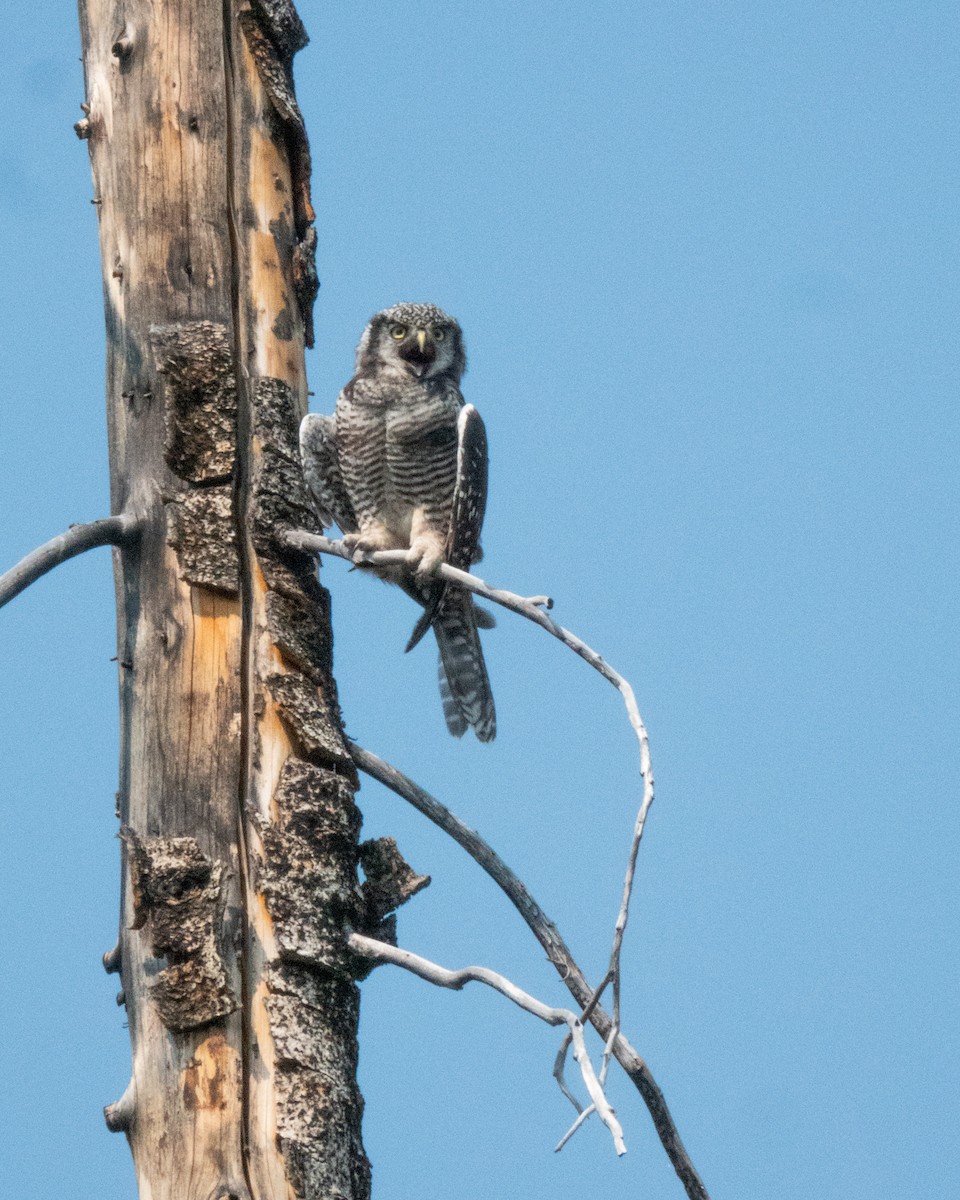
column 308, row 717
column 310, row 898
column 390, row 881
column 202, row 529
column 300, row 627
column 273, row 31
column 200, row 399
column 318, row 1119
column 178, row 898
column 281, row 22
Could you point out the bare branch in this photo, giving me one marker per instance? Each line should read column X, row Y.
column 545, row 931
column 559, row 1064
column 556, row 950
column 456, row 980
column 532, row 609
column 108, row 531
column 581, row 1117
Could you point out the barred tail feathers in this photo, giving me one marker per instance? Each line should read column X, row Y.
column 451, row 710
column 464, row 684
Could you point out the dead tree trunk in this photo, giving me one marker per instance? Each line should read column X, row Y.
column 236, row 790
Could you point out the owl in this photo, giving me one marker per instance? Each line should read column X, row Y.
column 402, row 464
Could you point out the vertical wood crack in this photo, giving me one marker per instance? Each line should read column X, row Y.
column 247, row 690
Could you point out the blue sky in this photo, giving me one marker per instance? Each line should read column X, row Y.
column 705, row 259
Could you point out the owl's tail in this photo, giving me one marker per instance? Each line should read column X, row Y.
column 464, row 685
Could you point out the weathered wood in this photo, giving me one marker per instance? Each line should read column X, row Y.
column 236, row 788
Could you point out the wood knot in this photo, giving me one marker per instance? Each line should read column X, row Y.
column 122, row 48
column 120, row 1115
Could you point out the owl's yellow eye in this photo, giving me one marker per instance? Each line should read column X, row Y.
column 399, row 332
column 439, row 333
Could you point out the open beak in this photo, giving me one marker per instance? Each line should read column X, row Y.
column 419, row 352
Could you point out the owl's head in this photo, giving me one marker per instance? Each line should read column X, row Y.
column 412, row 341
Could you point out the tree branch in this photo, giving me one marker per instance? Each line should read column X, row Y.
column 532, row 608
column 108, row 531
column 557, row 951
column 456, row 980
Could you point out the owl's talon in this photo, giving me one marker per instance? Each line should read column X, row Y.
column 368, row 541
column 354, row 543
column 426, row 556
column 428, row 566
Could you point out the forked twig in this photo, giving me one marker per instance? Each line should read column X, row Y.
column 442, row 977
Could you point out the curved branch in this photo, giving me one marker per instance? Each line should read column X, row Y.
column 442, row 977
column 108, row 531
column 557, row 951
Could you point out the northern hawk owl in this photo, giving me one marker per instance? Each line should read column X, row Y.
column 403, row 465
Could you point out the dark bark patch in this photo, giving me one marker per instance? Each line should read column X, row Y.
column 316, row 803
column 270, row 48
column 283, row 325
column 390, row 880
column 311, row 896
column 314, row 1019
column 307, row 714
column 177, row 900
column 275, row 415
column 200, row 399
column 288, row 572
column 280, row 503
column 306, row 283
column 303, row 1007
column 279, row 499
column 300, row 628
column 318, row 1131
column 281, row 22
column 202, row 530
column 280, row 496
column 274, row 70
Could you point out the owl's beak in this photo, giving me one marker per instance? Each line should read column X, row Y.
column 419, row 353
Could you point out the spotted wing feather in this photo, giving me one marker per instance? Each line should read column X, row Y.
column 467, row 511
column 321, row 469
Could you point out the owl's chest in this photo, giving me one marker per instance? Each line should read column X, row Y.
column 399, row 427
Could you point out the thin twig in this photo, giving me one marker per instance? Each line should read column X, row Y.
column 581, row 1117
column 533, row 609
column 559, row 1064
column 108, row 531
column 557, row 951
column 456, row 980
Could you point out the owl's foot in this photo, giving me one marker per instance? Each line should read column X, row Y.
column 369, row 540
column 426, row 555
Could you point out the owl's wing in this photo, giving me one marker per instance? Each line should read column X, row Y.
column 470, row 490
column 321, row 470
column 466, row 516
